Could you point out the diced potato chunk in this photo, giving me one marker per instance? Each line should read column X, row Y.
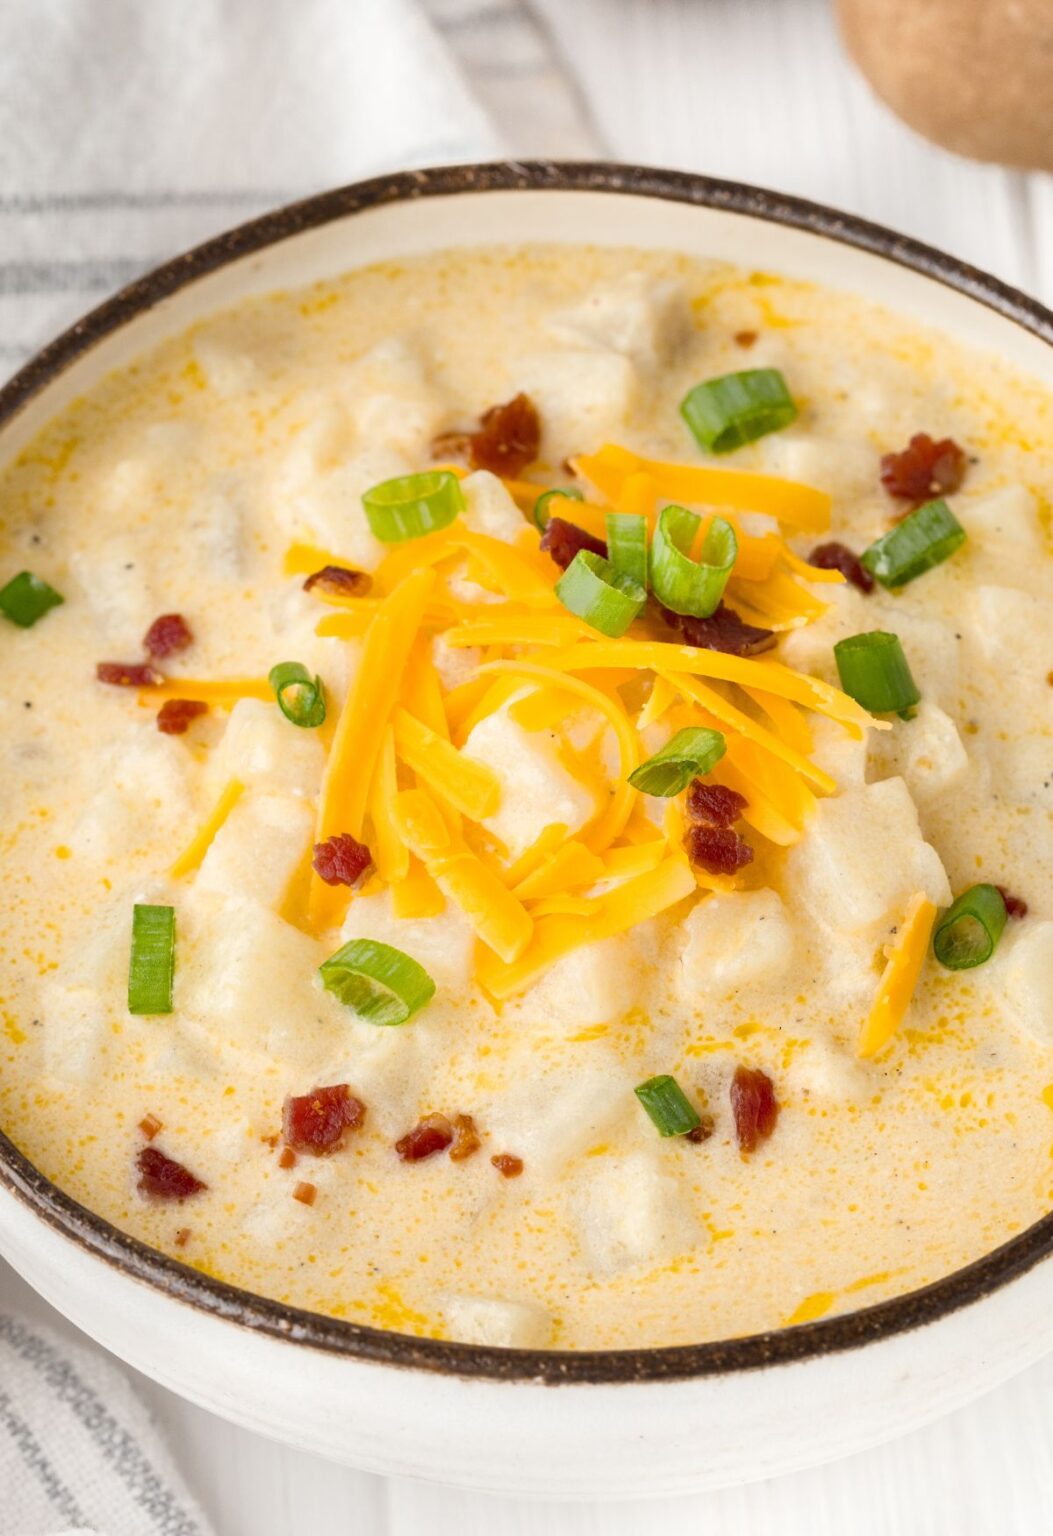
column 115, row 579
column 1005, row 516
column 596, row 984
column 633, row 1211
column 584, row 396
column 843, row 469
column 261, row 747
column 455, row 664
column 258, row 849
column 326, row 508
column 1013, row 632
column 444, row 944
column 732, row 941
column 391, row 399
column 548, row 1117
column 645, row 318
column 249, row 978
column 863, row 858
column 927, row 751
column 536, row 790
column 490, row 1320
column 76, row 1029
column 1029, row 980
column 843, row 756
column 489, row 507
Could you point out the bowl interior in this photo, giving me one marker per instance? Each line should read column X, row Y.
column 609, row 206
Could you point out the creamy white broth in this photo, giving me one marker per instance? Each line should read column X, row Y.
column 178, row 485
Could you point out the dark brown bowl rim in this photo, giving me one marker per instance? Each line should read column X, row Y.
column 136, row 1260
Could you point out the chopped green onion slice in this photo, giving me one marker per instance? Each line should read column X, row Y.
column 606, row 599
column 968, row 932
column 152, row 961
column 26, row 598
column 627, row 544
column 412, row 505
column 379, row 983
column 930, row 535
column 874, row 671
column 724, row 413
column 690, row 752
column 542, row 509
column 300, row 696
column 668, row 1106
column 689, row 586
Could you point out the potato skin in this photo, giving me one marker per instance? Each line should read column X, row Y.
column 973, row 75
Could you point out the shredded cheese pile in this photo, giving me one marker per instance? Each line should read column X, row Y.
column 397, row 779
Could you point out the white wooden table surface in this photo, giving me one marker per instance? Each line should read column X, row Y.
column 755, row 90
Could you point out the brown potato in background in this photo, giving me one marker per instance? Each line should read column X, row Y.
column 974, row 75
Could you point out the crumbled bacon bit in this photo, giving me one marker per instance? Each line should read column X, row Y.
column 431, row 1134
column 175, row 715
column 508, row 438
column 466, row 1140
column 722, row 631
column 754, row 1106
column 745, row 338
column 182, row 1237
column 451, row 447
column 507, row 1165
column 162, row 1178
column 341, row 860
column 924, row 469
column 305, row 1193
column 717, row 849
column 130, row 674
column 150, row 1125
column 167, row 636
column 318, row 1121
column 714, row 803
column 287, row 1158
column 703, row 1130
column 838, row 557
column 339, row 581
column 1015, row 906
column 563, row 540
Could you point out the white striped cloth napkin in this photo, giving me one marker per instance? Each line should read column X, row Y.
column 78, row 1452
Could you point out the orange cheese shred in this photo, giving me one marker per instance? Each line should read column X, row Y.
column 360, row 731
column 906, row 956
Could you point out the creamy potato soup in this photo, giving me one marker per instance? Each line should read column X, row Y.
column 622, row 917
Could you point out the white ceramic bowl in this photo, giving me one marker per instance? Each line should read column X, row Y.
column 614, row 1424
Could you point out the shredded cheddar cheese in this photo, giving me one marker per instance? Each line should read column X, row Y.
column 799, row 506
column 360, row 731
column 900, row 977
column 201, row 842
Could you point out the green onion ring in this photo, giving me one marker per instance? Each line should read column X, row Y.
column 377, row 982
column 671, row 1112
column 26, row 598
column 930, row 535
column 692, row 751
column 627, row 544
column 875, row 672
column 152, row 961
column 409, row 506
column 301, row 698
column 737, row 408
column 693, row 587
column 968, row 932
column 592, row 589
column 542, row 511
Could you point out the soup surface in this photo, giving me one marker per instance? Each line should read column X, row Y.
column 848, row 1117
